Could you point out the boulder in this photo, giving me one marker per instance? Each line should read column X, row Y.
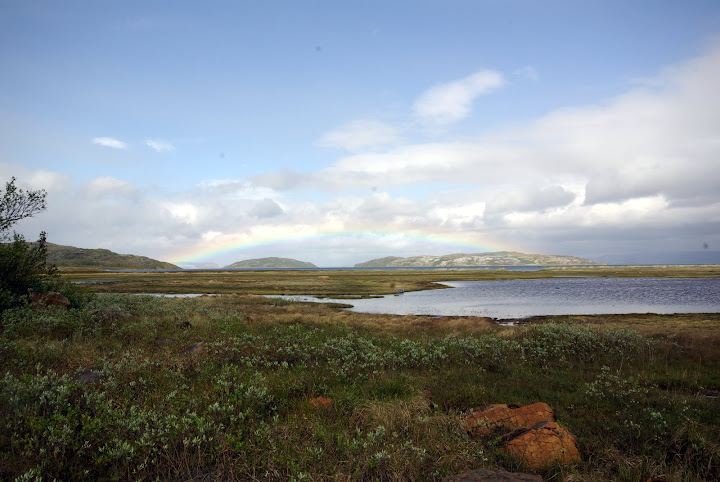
column 541, row 446
column 501, row 417
column 51, row 298
column 485, row 475
column 530, row 433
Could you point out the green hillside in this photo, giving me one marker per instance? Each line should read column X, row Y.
column 72, row 257
column 270, row 263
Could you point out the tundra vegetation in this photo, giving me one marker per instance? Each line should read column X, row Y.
column 132, row 387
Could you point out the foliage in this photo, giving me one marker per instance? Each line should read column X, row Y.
column 237, row 408
column 17, row 204
column 23, row 269
column 23, row 266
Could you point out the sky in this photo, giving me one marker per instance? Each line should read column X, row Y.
column 340, row 131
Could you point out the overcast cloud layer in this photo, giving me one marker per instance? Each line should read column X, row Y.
column 636, row 171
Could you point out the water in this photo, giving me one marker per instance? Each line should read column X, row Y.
column 508, row 299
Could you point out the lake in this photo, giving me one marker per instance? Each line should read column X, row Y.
column 507, row 299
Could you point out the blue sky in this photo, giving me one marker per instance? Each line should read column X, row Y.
column 334, row 132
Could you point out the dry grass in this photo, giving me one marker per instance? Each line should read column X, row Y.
column 344, row 282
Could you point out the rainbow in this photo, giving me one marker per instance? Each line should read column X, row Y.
column 216, row 245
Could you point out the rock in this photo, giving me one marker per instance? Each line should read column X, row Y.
column 541, row 446
column 51, row 298
column 504, row 418
column 485, row 475
column 531, row 435
column 321, row 402
column 87, row 375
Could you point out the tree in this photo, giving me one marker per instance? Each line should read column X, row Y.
column 17, row 204
column 23, row 265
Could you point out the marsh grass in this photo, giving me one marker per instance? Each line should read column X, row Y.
column 343, row 282
column 236, row 406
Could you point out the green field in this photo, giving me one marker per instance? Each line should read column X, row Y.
column 218, row 388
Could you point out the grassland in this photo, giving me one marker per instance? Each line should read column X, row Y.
column 342, row 282
column 139, row 388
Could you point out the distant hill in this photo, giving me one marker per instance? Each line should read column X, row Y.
column 499, row 258
column 72, row 257
column 270, row 263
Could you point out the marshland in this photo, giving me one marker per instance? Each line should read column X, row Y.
column 139, row 387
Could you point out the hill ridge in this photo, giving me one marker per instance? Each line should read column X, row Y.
column 269, row 263
column 73, row 257
column 495, row 258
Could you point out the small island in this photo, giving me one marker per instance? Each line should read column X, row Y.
column 270, row 263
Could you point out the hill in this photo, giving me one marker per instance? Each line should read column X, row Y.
column 499, row 258
column 270, row 263
column 72, row 257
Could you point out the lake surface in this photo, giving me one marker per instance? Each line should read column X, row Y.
column 507, row 299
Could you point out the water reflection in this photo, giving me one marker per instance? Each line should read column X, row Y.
column 507, row 299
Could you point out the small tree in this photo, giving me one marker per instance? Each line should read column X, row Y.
column 23, row 265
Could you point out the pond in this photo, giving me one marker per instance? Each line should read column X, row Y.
column 508, row 299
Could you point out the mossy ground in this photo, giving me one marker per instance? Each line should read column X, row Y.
column 636, row 390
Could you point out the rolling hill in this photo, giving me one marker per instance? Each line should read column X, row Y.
column 270, row 263
column 72, row 257
column 499, row 258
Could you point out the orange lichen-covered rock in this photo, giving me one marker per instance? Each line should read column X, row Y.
column 501, row 417
column 543, row 445
column 321, row 402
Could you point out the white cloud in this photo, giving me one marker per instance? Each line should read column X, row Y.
column 452, row 101
column 159, row 145
column 109, row 142
column 360, row 134
column 184, row 211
